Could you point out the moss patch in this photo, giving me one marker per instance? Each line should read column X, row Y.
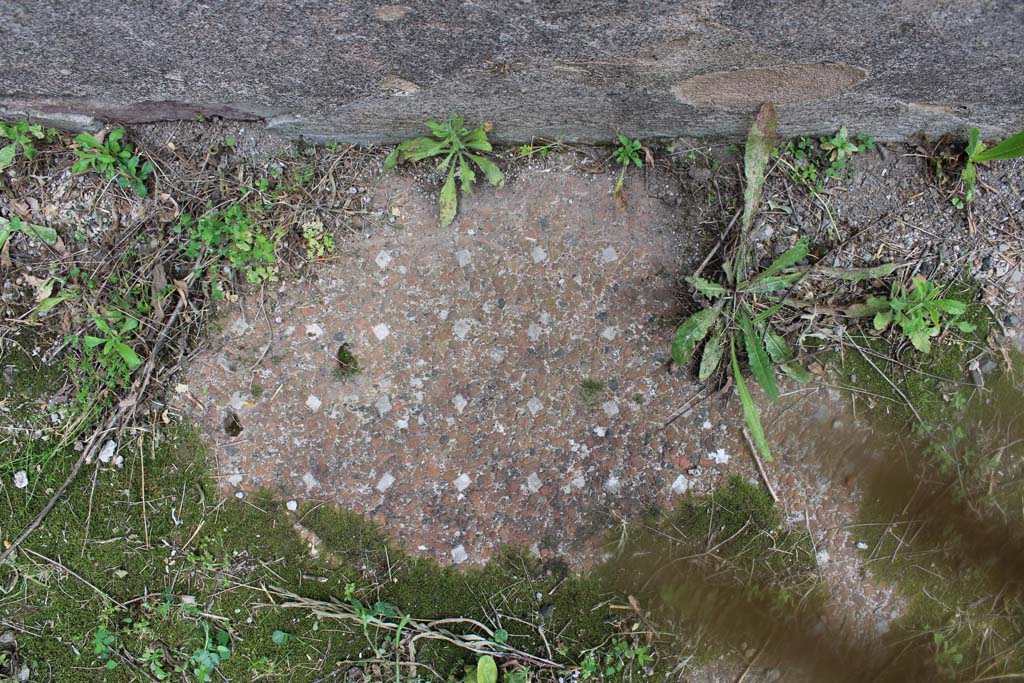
column 165, row 587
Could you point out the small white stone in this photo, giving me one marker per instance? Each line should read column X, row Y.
column 600, row 431
column 239, row 494
column 383, row 405
column 462, row 483
column 612, row 485
column 236, row 401
column 533, row 331
column 383, row 259
column 462, row 328
column 314, row 331
column 706, row 424
column 465, row 258
column 861, row 545
column 611, row 408
column 107, row 452
column 459, row 554
column 381, row 331
column 533, row 483
column 402, row 423
column 609, row 254
column 20, row 479
column 498, row 355
column 385, row 482
column 681, row 485
column 460, row 403
column 534, row 406
column 719, row 456
column 313, row 403
column 310, row 481
column 238, row 328
column 235, row 479
column 609, row 333
column 292, row 505
column 538, row 254
column 822, row 557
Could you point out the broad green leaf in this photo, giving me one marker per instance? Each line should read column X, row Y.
column 797, row 372
column 50, row 302
column 757, row 358
column 882, row 319
column 966, row 326
column 92, row 342
column 920, row 340
column 41, row 232
column 776, row 347
column 440, row 130
column 755, row 161
column 448, row 200
column 691, row 333
column 392, row 159
column 500, row 636
column 7, row 155
column 477, row 139
column 466, row 175
column 970, row 177
column 418, row 149
column 486, row 670
column 709, row 289
column 80, row 166
column 491, row 171
column 712, row 356
column 974, row 145
column 793, row 256
column 1010, row 148
column 856, row 274
column 129, row 356
column 86, row 140
column 951, row 306
column 750, row 415
column 279, row 637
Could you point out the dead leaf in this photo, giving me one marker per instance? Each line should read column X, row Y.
column 620, row 199
column 168, row 209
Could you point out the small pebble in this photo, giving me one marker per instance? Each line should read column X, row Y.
column 385, row 482
column 292, row 505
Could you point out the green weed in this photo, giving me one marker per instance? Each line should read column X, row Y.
column 815, row 162
column 741, row 308
column 319, row 242
column 458, row 149
column 114, row 159
column 919, row 310
column 21, row 134
column 1010, row 148
column 10, row 226
column 113, row 350
column 232, row 235
column 625, row 153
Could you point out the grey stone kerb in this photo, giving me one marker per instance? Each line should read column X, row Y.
column 363, row 72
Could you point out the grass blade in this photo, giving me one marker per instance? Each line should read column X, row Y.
column 855, row 274
column 757, row 357
column 750, row 415
column 691, row 333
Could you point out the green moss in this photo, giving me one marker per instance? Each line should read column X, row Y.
column 206, row 560
column 718, row 571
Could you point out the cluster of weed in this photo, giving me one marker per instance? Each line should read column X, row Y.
column 22, row 135
column 113, row 158
column 814, row 162
column 235, row 236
